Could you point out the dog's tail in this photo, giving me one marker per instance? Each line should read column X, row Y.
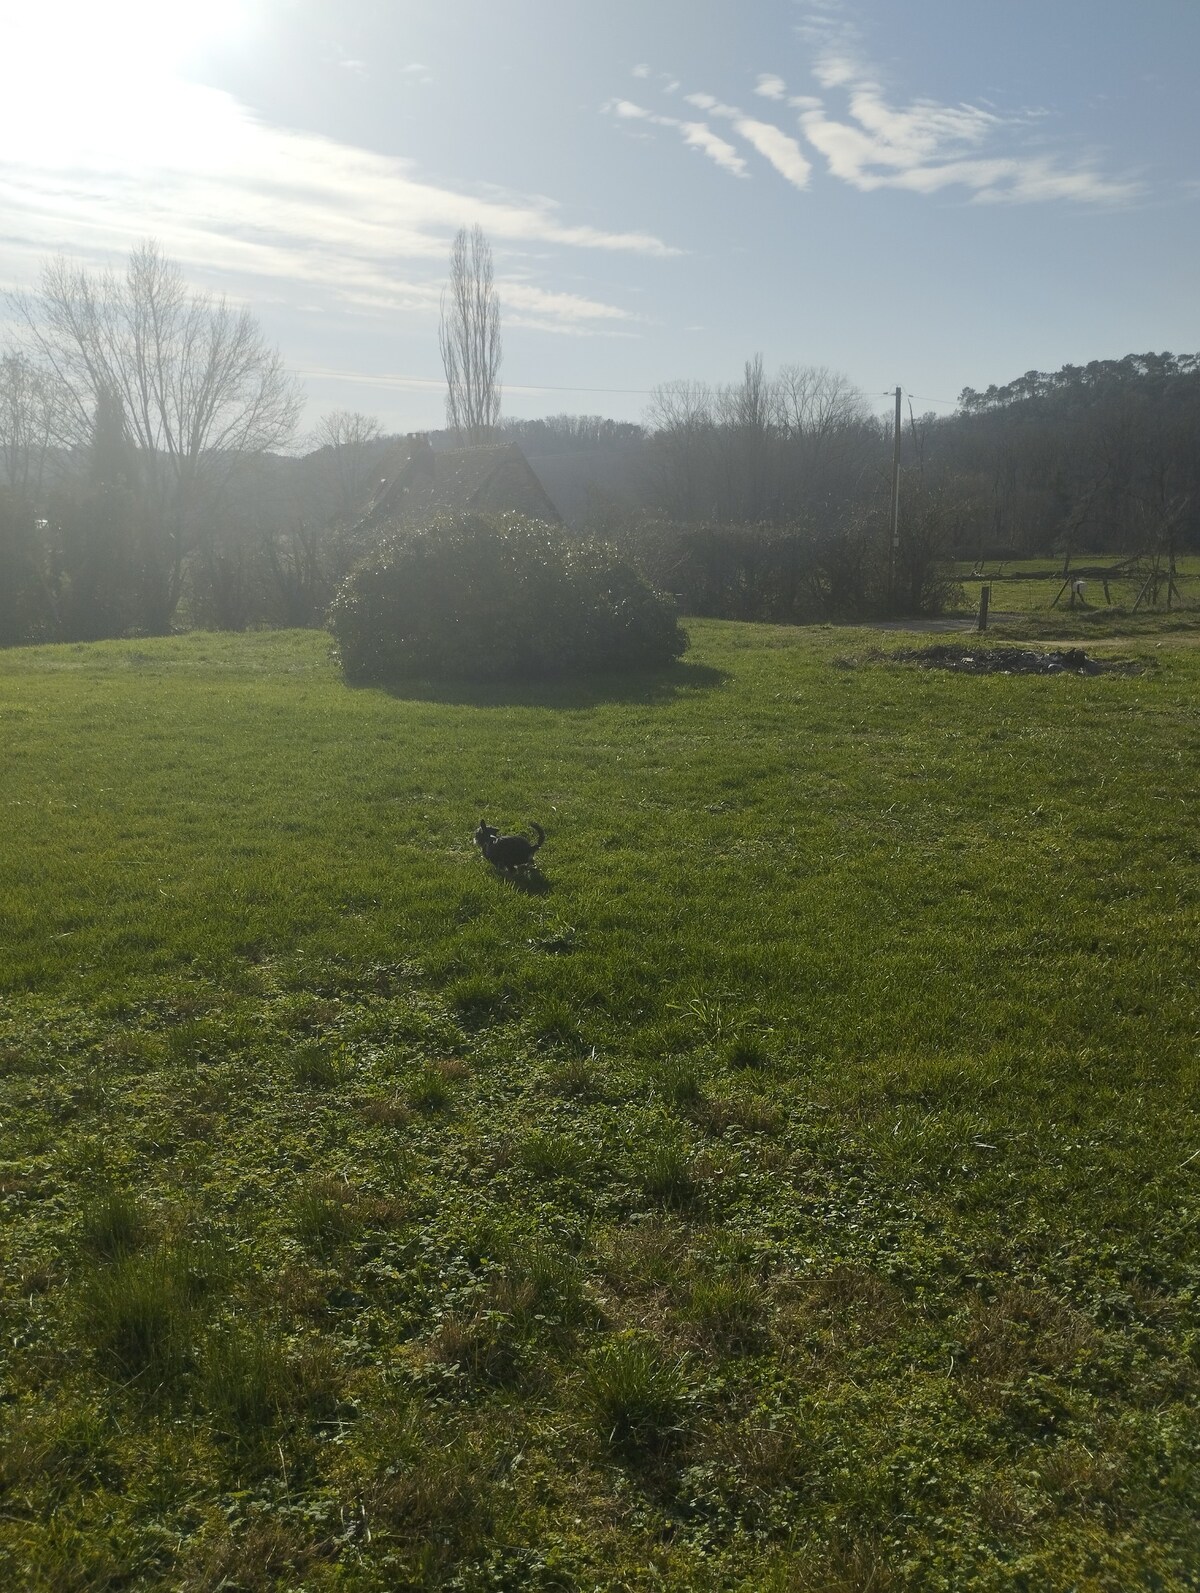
column 541, row 835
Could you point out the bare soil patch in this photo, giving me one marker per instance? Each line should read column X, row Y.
column 1012, row 660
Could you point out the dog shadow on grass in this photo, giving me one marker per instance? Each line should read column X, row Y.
column 644, row 688
column 528, row 883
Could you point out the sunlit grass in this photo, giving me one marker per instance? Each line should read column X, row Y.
column 795, row 1187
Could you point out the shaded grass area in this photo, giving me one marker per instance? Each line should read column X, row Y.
column 798, row 1192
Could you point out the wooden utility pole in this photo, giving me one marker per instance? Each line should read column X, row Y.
column 895, row 507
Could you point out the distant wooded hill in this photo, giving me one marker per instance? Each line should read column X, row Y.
column 1102, row 456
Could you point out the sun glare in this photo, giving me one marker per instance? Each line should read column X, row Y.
column 95, row 81
column 120, row 41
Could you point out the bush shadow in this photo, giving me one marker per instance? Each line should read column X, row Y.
column 649, row 688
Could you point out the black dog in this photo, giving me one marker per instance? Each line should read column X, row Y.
column 507, row 851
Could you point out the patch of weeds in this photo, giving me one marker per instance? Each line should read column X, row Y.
column 37, row 1279
column 452, row 1068
column 849, row 1304
column 313, row 1067
column 646, row 1255
column 192, row 1041
column 845, row 1565
column 667, row 1176
column 544, row 1291
column 128, row 1046
column 323, row 1214
column 114, row 1225
column 430, row 1093
column 728, row 1310
column 556, row 1024
column 1074, row 1478
column 388, row 1111
column 748, row 1472
column 635, row 1397
column 1024, row 1330
column 138, row 1311
column 752, row 1113
column 267, row 1552
column 249, row 1383
column 476, row 998
column 307, row 1014
column 297, row 1290
column 709, row 1014
column 576, row 1079
column 241, row 1381
column 557, row 940
column 428, row 1494
column 485, row 1343
column 745, row 1052
column 73, row 1446
column 553, row 1156
column 681, row 1083
column 16, row 1062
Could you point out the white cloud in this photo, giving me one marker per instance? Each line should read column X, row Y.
column 702, row 137
column 928, row 146
column 266, row 207
column 561, row 308
column 780, row 149
column 923, row 147
column 783, row 152
column 706, row 102
column 641, row 70
column 698, row 135
column 833, row 70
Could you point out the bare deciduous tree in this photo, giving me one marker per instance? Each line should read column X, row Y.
column 344, row 437
column 196, row 387
column 813, row 401
column 469, row 335
column 31, row 415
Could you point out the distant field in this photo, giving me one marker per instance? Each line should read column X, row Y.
column 1030, row 586
column 797, row 1190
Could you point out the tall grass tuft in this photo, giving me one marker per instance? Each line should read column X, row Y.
column 139, row 1311
column 313, row 1067
column 323, row 1214
column 668, row 1178
column 635, row 1396
column 242, row 1382
column 745, row 1052
column 114, row 1225
column 729, row 1311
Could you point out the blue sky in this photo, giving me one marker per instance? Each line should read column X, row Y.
column 938, row 194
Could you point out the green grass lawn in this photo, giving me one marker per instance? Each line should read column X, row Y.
column 796, row 1190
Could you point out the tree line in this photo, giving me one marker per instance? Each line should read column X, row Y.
column 144, row 482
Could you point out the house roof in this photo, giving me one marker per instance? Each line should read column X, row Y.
column 491, row 478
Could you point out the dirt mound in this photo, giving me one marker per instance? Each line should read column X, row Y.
column 1011, row 661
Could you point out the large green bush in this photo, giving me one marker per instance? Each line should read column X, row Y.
column 472, row 597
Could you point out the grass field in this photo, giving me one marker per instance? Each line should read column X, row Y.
column 796, row 1190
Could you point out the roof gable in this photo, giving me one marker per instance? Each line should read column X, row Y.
column 493, row 478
